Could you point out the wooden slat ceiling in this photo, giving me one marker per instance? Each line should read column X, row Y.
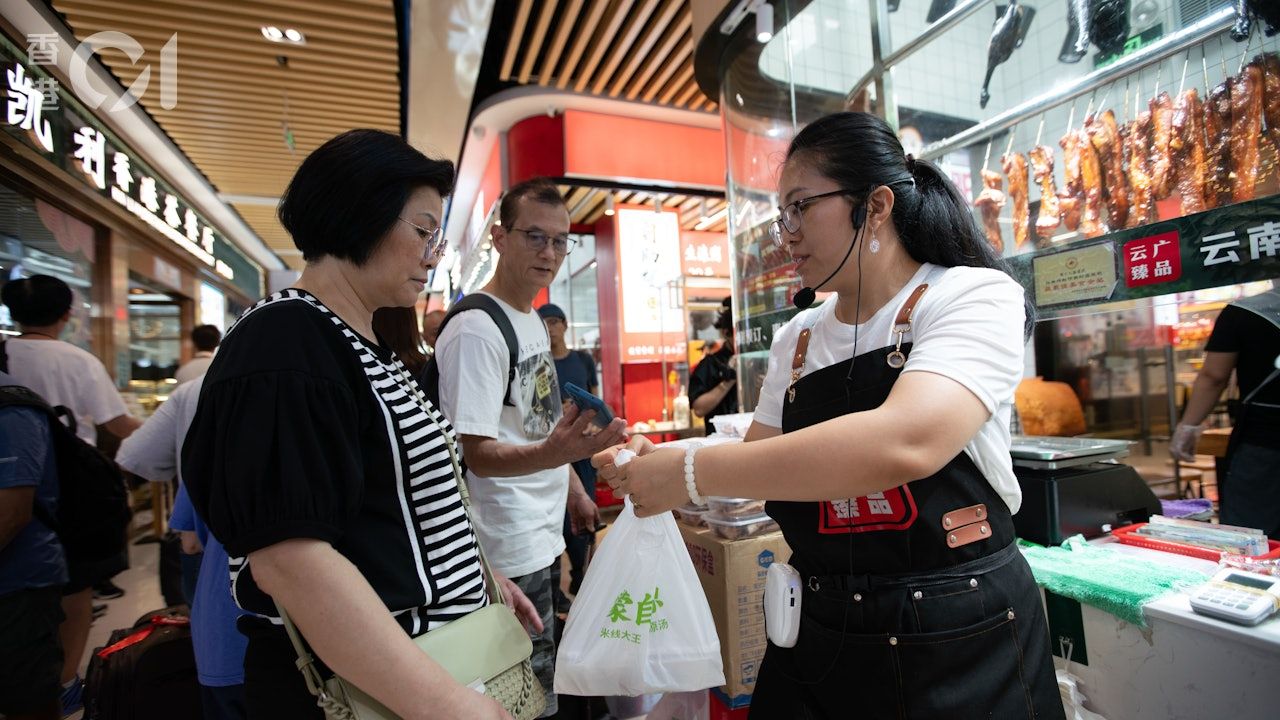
column 587, row 205
column 630, row 49
column 234, row 97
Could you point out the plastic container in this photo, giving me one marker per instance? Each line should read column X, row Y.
column 733, row 424
column 734, row 508
column 1129, row 536
column 742, row 527
column 692, row 515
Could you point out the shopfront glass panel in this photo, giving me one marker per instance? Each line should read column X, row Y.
column 39, row 239
column 155, row 342
column 1129, row 341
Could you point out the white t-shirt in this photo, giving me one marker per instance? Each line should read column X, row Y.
column 63, row 374
column 967, row 327
column 194, row 368
column 519, row 520
column 154, row 451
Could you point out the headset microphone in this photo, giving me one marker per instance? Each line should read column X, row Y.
column 807, row 295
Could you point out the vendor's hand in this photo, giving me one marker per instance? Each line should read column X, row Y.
column 1183, row 444
column 655, row 482
column 603, row 461
column 584, row 514
column 575, row 438
column 190, row 542
column 514, row 598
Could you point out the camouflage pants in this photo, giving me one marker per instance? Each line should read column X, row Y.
column 537, row 587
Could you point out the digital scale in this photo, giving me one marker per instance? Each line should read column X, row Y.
column 1237, row 596
column 1056, row 453
column 1076, row 486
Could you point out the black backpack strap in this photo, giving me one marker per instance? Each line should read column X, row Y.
column 480, row 301
column 4, row 357
column 20, row 396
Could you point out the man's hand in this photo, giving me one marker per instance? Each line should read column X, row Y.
column 584, row 514
column 575, row 438
column 521, row 605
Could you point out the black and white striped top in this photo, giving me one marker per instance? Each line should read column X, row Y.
column 306, row 429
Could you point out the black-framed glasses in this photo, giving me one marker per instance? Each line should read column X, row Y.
column 434, row 238
column 537, row 240
column 789, row 215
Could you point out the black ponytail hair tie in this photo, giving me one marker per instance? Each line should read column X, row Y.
column 911, row 163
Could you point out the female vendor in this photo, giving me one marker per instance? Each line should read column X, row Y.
column 881, row 442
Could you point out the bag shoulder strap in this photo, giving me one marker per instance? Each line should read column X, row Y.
column 4, row 357
column 20, row 396
column 481, row 301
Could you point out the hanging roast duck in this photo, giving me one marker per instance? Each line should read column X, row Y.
column 938, row 8
column 1010, row 30
column 1076, row 43
column 1109, row 24
column 1249, row 11
column 1104, row 23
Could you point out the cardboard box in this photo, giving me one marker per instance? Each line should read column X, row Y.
column 732, row 573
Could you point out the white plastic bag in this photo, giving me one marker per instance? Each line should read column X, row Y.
column 682, row 706
column 640, row 623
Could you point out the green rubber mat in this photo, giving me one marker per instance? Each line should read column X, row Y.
column 1118, row 583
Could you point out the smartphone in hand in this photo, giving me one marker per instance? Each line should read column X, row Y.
column 586, row 401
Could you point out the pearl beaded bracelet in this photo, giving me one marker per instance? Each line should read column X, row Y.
column 689, row 483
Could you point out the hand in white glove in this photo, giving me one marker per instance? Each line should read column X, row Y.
column 1183, row 444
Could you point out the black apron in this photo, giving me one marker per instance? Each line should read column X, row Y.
column 896, row 621
column 1249, row 496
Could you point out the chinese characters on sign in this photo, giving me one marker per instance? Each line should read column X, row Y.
column 645, row 612
column 1264, row 241
column 704, row 254
column 1152, row 260
column 26, row 106
column 1087, row 273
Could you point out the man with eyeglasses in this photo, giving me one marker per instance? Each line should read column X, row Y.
column 518, row 445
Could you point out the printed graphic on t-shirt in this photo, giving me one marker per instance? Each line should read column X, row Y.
column 539, row 394
column 889, row 510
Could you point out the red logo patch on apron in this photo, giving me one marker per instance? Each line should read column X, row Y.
column 889, row 510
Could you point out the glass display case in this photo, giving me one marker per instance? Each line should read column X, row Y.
column 1122, row 174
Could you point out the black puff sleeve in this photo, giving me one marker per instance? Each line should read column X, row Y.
column 273, row 454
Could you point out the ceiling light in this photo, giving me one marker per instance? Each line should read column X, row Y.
column 608, row 205
column 764, row 22
column 290, row 36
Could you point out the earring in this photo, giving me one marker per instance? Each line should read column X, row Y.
column 875, row 244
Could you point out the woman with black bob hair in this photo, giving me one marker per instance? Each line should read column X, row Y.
column 314, row 458
column 881, row 441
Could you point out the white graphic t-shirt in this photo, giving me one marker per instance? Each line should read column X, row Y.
column 519, row 519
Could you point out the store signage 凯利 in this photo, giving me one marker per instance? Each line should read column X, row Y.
column 1219, row 247
column 1086, row 273
column 85, row 148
